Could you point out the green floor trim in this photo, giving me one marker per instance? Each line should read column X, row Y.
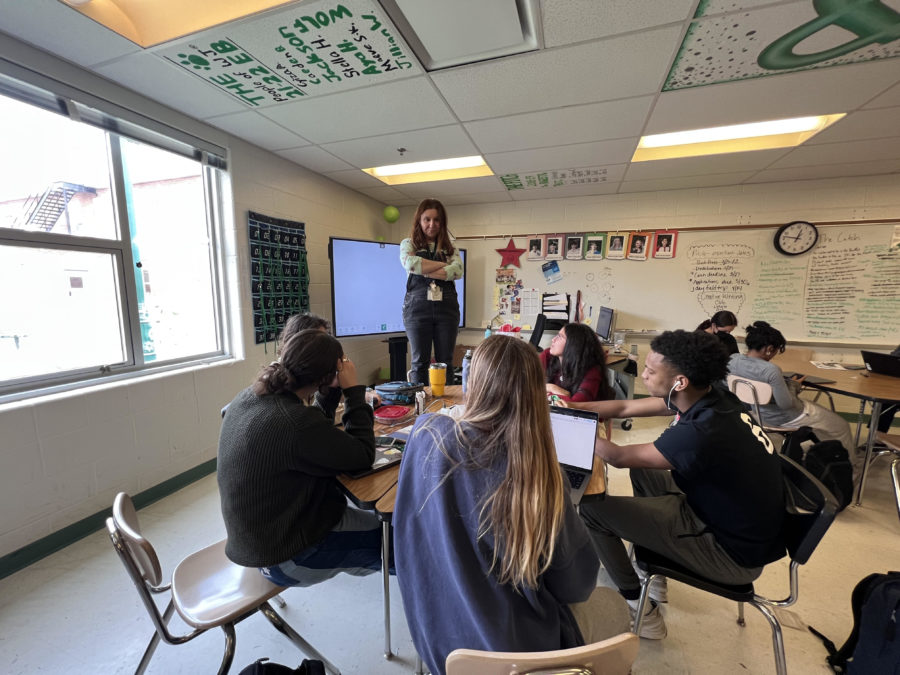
column 27, row 555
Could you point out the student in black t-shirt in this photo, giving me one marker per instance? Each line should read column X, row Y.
column 721, row 324
column 708, row 493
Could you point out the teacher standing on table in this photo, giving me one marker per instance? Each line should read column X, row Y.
column 430, row 308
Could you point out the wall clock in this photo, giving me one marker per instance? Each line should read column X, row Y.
column 796, row 237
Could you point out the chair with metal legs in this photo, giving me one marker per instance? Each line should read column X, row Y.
column 755, row 393
column 810, row 509
column 891, row 443
column 207, row 590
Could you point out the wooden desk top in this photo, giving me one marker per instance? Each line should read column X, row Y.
column 379, row 490
column 855, row 383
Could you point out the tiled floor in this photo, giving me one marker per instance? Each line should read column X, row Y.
column 76, row 611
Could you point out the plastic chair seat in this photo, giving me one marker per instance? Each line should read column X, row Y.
column 210, row 590
column 654, row 563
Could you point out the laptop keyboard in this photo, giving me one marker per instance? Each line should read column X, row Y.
column 575, row 478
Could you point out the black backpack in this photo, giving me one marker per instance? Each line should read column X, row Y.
column 874, row 642
column 266, row 667
column 826, row 460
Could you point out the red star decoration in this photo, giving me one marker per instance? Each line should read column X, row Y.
column 510, row 254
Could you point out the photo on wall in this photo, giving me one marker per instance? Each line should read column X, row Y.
column 573, row 247
column 616, row 248
column 637, row 245
column 554, row 247
column 594, row 245
column 535, row 247
column 664, row 244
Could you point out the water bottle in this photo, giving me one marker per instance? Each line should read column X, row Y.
column 467, row 361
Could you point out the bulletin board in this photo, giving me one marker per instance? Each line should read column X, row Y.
column 279, row 274
column 846, row 290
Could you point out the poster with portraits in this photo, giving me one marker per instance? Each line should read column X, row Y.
column 573, row 247
column 664, row 243
column 536, row 244
column 638, row 243
column 554, row 247
column 615, row 249
column 594, row 246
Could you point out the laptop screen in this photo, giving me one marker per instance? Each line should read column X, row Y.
column 574, row 432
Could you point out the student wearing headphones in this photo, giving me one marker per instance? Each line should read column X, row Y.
column 708, row 493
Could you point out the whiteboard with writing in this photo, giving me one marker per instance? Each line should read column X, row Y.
column 846, row 290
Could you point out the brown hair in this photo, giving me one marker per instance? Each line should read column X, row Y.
column 525, row 513
column 442, row 243
column 308, row 357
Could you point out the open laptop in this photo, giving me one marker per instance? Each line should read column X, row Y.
column 388, row 451
column 882, row 364
column 574, row 433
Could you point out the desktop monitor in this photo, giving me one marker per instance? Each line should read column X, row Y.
column 605, row 324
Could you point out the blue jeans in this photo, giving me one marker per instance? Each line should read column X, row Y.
column 353, row 546
column 430, row 323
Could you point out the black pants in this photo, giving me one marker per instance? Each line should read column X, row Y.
column 430, row 323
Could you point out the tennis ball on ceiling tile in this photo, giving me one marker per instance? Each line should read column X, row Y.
column 391, row 214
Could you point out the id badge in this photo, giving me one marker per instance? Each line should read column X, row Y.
column 435, row 294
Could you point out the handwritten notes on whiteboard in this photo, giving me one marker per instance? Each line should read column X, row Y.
column 310, row 48
column 847, row 288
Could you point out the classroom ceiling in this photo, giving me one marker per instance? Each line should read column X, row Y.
column 337, row 87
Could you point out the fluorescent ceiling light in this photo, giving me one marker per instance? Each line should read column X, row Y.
column 151, row 23
column 437, row 169
column 734, row 138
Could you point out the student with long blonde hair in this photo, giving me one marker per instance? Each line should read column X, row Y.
column 489, row 551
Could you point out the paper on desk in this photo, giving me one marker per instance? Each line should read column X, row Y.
column 401, row 434
column 828, row 365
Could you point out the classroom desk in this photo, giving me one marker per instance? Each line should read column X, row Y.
column 867, row 387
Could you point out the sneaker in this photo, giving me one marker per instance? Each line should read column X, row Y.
column 652, row 627
column 659, row 587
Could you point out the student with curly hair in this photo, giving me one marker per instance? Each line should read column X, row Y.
column 490, row 553
column 764, row 342
column 575, row 365
column 708, row 493
column 278, row 460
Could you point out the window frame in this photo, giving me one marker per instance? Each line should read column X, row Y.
column 117, row 122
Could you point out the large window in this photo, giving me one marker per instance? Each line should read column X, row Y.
column 108, row 258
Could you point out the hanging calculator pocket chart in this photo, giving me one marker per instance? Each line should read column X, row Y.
column 279, row 275
column 846, row 289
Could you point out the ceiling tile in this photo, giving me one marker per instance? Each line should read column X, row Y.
column 476, row 198
column 161, row 80
column 354, row 178
column 254, row 128
column 566, row 21
column 598, row 154
column 314, row 158
column 681, row 182
column 731, row 162
column 889, row 98
column 827, row 171
column 621, row 67
column 54, row 27
column 810, row 92
column 861, row 125
column 563, row 126
column 840, row 153
column 381, row 109
column 421, row 145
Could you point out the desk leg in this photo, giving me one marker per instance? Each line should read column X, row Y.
column 860, row 421
column 385, row 575
column 870, row 443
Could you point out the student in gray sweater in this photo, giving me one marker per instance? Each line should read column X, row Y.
column 277, row 465
column 786, row 409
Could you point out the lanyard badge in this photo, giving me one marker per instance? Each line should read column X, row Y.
column 435, row 294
